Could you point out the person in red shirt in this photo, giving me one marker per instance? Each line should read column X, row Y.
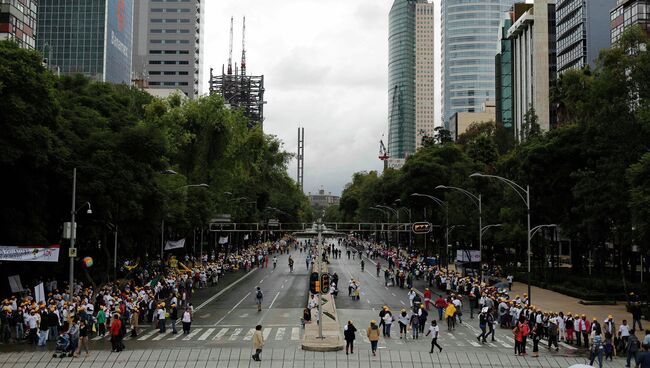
column 116, row 333
column 427, row 298
column 441, row 304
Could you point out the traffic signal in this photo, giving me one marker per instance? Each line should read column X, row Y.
column 325, row 282
column 421, row 227
column 313, row 282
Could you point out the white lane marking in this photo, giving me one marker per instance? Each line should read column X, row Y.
column 567, row 346
column 393, row 294
column 365, row 338
column 192, row 334
column 233, row 308
column 368, row 301
column 243, row 315
column 223, row 291
column 98, row 337
column 220, row 334
column 249, row 334
column 266, row 333
column 235, row 334
column 206, row 334
column 282, row 287
column 261, row 281
column 174, row 337
column 160, row 336
column 401, row 301
column 451, row 336
column 280, row 334
column 276, row 297
column 295, row 333
column 148, row 334
column 503, row 343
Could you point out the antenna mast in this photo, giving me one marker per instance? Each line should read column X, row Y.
column 230, row 49
column 243, row 48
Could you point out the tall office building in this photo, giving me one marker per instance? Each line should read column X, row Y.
column 534, row 69
column 167, row 52
column 90, row 37
column 410, row 76
column 503, row 74
column 627, row 13
column 580, row 32
column 18, row 22
column 469, row 33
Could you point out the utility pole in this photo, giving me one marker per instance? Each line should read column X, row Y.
column 72, row 231
column 320, row 269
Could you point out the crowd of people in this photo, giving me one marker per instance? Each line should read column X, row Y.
column 151, row 294
column 495, row 307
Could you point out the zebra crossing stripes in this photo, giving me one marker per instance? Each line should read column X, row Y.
column 279, row 335
column 192, row 334
column 220, row 334
column 295, row 333
column 235, row 334
column 249, row 334
column 175, row 336
column 266, row 333
column 148, row 335
column 206, row 334
column 161, row 335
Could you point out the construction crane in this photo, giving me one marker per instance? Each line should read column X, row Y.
column 243, row 48
column 383, row 152
column 230, row 49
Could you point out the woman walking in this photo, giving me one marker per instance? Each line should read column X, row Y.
column 187, row 321
column 135, row 321
column 403, row 323
column 373, row 335
column 83, row 338
column 348, row 332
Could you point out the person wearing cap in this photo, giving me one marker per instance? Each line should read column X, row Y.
column 161, row 313
column 482, row 318
column 553, row 332
column 349, row 333
column 403, row 321
column 388, row 322
column 570, row 326
column 434, row 331
column 135, row 321
column 116, row 333
column 173, row 316
column 373, row 335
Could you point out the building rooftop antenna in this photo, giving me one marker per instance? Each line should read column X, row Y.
column 243, row 48
column 230, row 49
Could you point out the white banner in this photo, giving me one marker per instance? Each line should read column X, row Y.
column 174, row 244
column 246, row 237
column 39, row 293
column 15, row 284
column 464, row 255
column 223, row 239
column 34, row 253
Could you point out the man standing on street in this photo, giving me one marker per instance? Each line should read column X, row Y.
column 258, row 298
column 258, row 343
column 434, row 330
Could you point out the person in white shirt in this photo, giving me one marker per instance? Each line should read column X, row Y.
column 411, row 295
column 161, row 317
column 434, row 330
column 624, row 331
column 187, row 321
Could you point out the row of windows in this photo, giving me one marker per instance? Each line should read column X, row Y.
column 170, row 10
column 172, row 42
column 158, row 72
column 170, row 31
column 169, row 52
column 168, row 62
column 158, row 20
column 168, row 84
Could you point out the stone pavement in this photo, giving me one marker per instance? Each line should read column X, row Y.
column 284, row 358
column 552, row 301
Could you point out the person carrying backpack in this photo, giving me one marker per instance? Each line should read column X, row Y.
column 258, row 298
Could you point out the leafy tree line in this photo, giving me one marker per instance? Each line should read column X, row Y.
column 134, row 156
column 590, row 175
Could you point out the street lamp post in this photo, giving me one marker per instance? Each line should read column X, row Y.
column 387, row 219
column 520, row 192
column 73, row 226
column 408, row 210
column 478, row 202
column 444, row 205
column 394, row 212
column 162, row 226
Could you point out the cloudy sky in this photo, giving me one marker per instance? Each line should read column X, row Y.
column 325, row 68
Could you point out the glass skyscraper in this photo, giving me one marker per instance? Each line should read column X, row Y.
column 470, row 31
column 410, row 76
column 89, row 37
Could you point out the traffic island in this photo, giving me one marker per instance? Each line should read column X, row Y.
column 332, row 339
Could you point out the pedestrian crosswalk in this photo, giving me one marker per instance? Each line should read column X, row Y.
column 216, row 334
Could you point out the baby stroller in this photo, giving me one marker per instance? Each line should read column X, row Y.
column 63, row 346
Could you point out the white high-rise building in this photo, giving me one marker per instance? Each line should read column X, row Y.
column 424, row 72
column 167, row 44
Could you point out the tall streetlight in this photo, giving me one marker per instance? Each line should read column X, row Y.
column 162, row 226
column 73, row 228
column 444, row 205
column 408, row 210
column 486, row 227
column 384, row 213
column 394, row 212
column 476, row 199
column 520, row 192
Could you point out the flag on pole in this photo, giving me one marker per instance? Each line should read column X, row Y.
column 174, row 244
column 246, row 237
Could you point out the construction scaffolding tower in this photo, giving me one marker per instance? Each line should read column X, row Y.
column 241, row 92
